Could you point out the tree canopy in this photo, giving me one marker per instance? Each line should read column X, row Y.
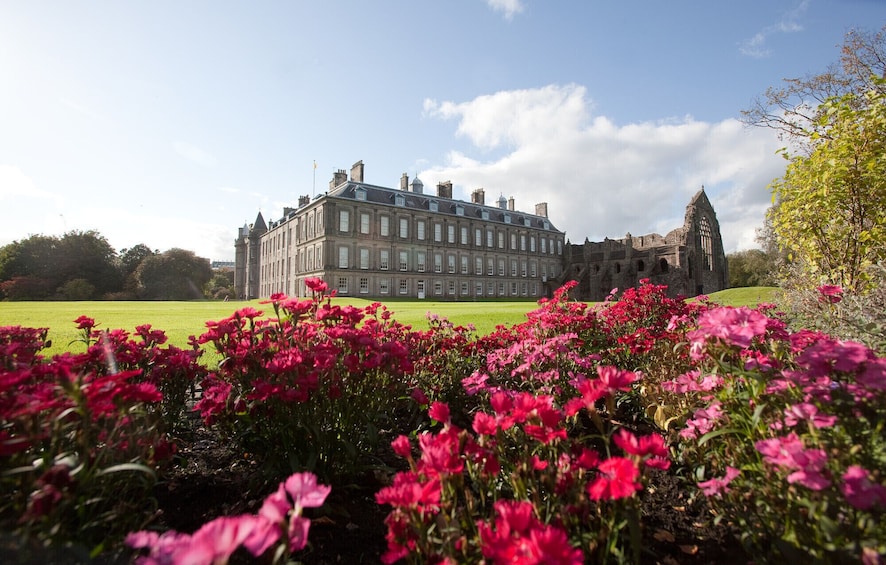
column 84, row 266
column 828, row 207
column 832, row 203
column 175, row 274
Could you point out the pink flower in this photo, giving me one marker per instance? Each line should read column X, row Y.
column 305, row 491
column 407, row 492
column 702, row 422
column 873, row 376
column 808, row 412
column 780, row 451
column 718, row 486
column 860, row 491
column 830, row 293
column 419, row 396
column 734, row 326
column 617, row 479
column 790, row 454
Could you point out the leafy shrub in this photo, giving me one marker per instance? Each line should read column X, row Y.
column 787, row 436
column 310, row 389
column 78, row 448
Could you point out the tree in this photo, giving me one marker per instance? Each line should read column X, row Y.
column 88, row 256
column 827, row 208
column 47, row 263
column 129, row 260
column 221, row 286
column 831, row 211
column 795, row 109
column 175, row 274
column 27, row 266
column 753, row 267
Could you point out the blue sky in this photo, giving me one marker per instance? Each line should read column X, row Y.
column 173, row 123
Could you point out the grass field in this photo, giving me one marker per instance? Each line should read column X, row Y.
column 182, row 319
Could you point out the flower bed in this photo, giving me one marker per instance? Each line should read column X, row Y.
column 574, row 437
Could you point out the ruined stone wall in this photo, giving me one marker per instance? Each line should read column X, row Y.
column 688, row 260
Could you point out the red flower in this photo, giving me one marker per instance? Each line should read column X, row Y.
column 84, row 323
column 651, row 447
column 316, row 285
column 615, row 379
column 617, row 479
column 439, row 411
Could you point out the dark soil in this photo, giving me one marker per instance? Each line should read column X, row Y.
column 210, row 479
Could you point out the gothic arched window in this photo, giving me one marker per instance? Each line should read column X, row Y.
column 707, row 244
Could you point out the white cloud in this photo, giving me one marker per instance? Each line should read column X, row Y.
column 507, row 7
column 194, row 153
column 603, row 179
column 15, row 183
column 789, row 23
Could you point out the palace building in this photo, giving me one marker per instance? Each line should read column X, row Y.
column 375, row 242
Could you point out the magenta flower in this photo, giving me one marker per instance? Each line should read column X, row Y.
column 439, row 411
column 84, row 323
column 718, row 486
column 807, row 412
column 316, row 285
column 614, row 379
column 860, row 491
column 830, row 293
column 790, row 454
column 650, row 448
column 702, row 422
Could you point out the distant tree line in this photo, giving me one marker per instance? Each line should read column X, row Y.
column 84, row 266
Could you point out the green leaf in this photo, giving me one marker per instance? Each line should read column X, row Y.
column 716, row 433
column 122, row 467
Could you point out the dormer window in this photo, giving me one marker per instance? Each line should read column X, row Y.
column 546, row 224
column 433, row 206
column 360, row 193
column 527, row 222
column 459, row 210
column 400, row 200
column 507, row 218
column 484, row 214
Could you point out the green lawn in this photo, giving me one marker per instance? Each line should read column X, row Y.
column 182, row 319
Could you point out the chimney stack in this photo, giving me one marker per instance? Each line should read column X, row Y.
column 404, row 182
column 339, row 177
column 304, row 200
column 357, row 171
column 478, row 197
column 444, row 189
column 511, row 203
column 541, row 209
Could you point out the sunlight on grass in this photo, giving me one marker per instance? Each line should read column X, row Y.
column 182, row 319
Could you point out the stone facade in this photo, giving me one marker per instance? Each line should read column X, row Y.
column 376, row 242
column 690, row 260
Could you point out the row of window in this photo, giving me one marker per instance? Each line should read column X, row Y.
column 434, row 206
column 439, row 288
column 463, row 235
column 449, row 262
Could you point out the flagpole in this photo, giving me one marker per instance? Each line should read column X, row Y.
column 314, row 185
